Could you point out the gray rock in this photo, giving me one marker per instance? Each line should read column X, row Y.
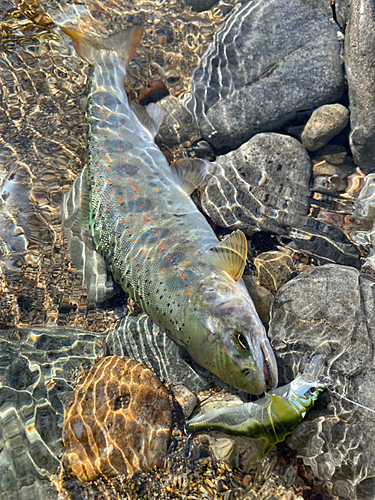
column 325, row 122
column 342, row 10
column 272, row 59
column 141, row 339
column 37, row 369
column 179, row 125
column 359, row 51
column 274, row 269
column 331, row 310
column 261, row 297
column 264, row 185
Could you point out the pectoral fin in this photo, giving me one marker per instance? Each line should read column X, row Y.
column 230, row 254
column 190, row 173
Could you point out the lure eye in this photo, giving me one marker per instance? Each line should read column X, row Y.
column 313, row 391
column 239, row 341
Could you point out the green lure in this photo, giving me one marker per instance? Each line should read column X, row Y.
column 270, row 418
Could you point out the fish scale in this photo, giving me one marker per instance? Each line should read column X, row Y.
column 156, row 243
column 145, row 236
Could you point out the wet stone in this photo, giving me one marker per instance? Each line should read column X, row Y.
column 38, row 367
column 117, row 421
column 325, row 122
column 261, row 297
column 279, row 57
column 179, row 125
column 141, row 339
column 330, row 309
column 274, row 269
column 266, row 177
column 186, row 399
column 359, row 52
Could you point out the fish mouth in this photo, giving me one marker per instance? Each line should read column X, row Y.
column 265, row 373
column 269, row 368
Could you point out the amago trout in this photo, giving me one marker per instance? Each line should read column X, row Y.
column 156, row 243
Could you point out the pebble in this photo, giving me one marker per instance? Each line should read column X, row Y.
column 359, row 52
column 117, row 421
column 274, row 269
column 277, row 57
column 325, row 122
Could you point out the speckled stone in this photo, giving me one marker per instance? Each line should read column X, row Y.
column 330, row 309
column 270, row 61
column 118, row 420
column 359, row 52
column 325, row 122
column 274, row 269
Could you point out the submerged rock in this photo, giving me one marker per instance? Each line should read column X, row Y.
column 117, row 421
column 141, row 339
column 271, row 60
column 330, row 310
column 265, row 185
column 37, row 369
column 359, row 51
column 274, row 269
column 325, row 122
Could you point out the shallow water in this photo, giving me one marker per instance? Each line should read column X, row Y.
column 42, row 150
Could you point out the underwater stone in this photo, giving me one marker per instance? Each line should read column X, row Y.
column 271, row 60
column 274, row 269
column 325, row 122
column 37, row 368
column 359, row 52
column 118, row 420
column 330, row 309
column 141, row 339
column 265, row 185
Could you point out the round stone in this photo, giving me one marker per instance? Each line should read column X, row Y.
column 117, row 421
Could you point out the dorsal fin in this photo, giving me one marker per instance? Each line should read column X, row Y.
column 230, row 254
column 190, row 173
column 151, row 116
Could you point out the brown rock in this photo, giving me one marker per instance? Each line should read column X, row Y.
column 117, row 420
column 274, row 269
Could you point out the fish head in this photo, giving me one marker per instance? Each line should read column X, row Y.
column 228, row 338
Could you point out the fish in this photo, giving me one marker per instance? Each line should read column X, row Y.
column 270, row 418
column 158, row 246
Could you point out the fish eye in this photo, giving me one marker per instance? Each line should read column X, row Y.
column 240, row 341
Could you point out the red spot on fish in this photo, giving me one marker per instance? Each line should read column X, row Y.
column 145, row 170
column 116, row 131
column 120, row 148
column 139, row 248
column 128, row 231
column 134, row 239
column 182, row 275
column 107, row 159
column 162, row 246
column 143, row 206
column 115, row 114
column 101, row 147
column 138, row 159
column 108, row 169
column 163, row 276
column 157, row 190
column 135, row 187
column 105, row 116
column 108, row 180
column 186, row 263
column 156, row 233
column 124, row 221
column 143, row 253
column 162, row 270
column 189, row 292
column 119, row 200
column 169, row 258
column 129, row 180
column 103, row 99
column 108, row 198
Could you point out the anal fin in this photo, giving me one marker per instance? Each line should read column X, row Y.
column 230, row 254
column 190, row 172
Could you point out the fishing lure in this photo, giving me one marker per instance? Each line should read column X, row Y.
column 156, row 243
column 270, row 418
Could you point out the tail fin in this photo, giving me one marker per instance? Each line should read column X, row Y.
column 124, row 43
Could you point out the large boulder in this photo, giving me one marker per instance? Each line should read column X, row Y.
column 271, row 60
